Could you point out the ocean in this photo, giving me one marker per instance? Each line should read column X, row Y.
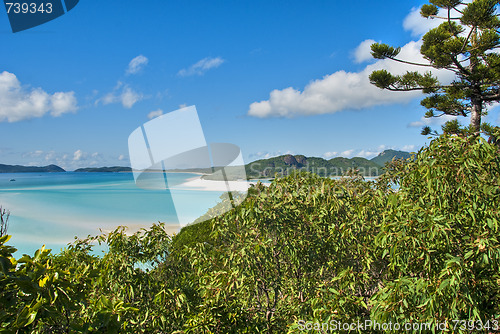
column 53, row 208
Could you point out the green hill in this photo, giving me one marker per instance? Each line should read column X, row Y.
column 30, row 169
column 286, row 164
column 388, row 155
column 114, row 169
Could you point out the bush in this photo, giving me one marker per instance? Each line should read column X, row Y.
column 305, row 248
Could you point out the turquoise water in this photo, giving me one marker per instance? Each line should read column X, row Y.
column 53, row 208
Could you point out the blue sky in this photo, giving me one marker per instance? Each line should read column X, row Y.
column 273, row 77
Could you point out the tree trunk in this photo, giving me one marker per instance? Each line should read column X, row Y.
column 475, row 115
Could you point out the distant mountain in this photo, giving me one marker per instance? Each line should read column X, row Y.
column 30, row 169
column 114, row 169
column 389, row 155
column 264, row 168
column 286, row 164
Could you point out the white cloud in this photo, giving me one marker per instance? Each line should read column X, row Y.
column 129, row 97
column 418, row 25
column 345, row 90
column 363, row 52
column 155, row 113
column 33, row 154
column 123, row 94
column 137, row 64
column 18, row 103
column 182, row 106
column 267, row 155
column 78, row 155
column 433, row 121
column 201, row 66
column 347, row 154
column 329, row 155
column 50, row 156
column 62, row 103
column 367, row 154
column 74, row 160
column 408, row 148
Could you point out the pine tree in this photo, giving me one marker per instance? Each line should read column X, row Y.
column 465, row 43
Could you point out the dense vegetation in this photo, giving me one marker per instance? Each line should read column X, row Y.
column 304, row 248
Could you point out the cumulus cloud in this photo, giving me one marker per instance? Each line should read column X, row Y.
column 418, row 25
column 71, row 161
column 347, row 154
column 267, row 154
column 123, row 94
column 33, row 154
column 363, row 52
column 408, row 148
column 367, row 153
column 155, row 113
column 201, row 66
column 329, row 155
column 433, row 121
column 137, row 64
column 343, row 90
column 18, row 103
column 129, row 97
column 78, row 155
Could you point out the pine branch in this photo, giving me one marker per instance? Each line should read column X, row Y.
column 396, row 89
column 492, row 98
column 466, row 41
column 443, row 18
column 409, row 62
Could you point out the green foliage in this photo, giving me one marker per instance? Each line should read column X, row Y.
column 382, row 51
column 408, row 81
column 428, row 11
column 77, row 291
column 382, row 79
column 440, row 235
column 303, row 248
column 466, row 44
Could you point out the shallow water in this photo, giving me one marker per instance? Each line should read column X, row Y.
column 53, row 208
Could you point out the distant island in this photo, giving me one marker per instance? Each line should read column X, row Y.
column 286, row 164
column 264, row 168
column 30, row 169
column 338, row 166
column 115, row 169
